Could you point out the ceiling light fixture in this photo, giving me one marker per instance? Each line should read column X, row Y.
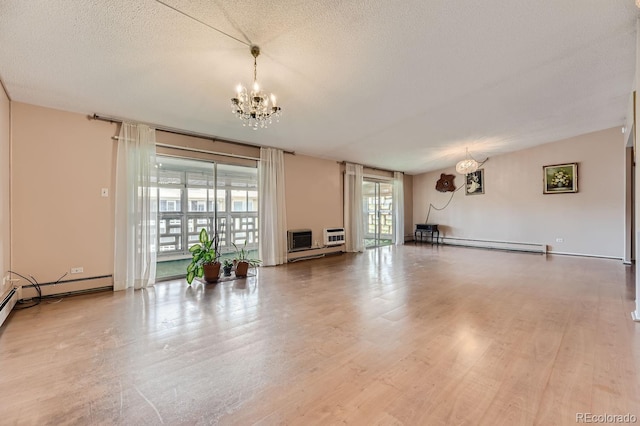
column 468, row 165
column 253, row 107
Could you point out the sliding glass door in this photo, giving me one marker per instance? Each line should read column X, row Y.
column 377, row 207
column 193, row 195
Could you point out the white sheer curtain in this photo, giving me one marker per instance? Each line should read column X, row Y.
column 398, row 208
column 353, row 213
column 272, row 217
column 136, row 216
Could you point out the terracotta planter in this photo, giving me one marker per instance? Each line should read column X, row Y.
column 211, row 272
column 241, row 269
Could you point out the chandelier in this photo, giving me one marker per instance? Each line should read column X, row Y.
column 255, row 108
column 466, row 166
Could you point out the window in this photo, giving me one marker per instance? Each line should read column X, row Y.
column 237, row 188
column 238, row 206
column 183, row 183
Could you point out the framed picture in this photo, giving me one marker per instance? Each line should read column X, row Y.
column 560, row 178
column 475, row 183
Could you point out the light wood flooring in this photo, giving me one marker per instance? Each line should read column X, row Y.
column 414, row 335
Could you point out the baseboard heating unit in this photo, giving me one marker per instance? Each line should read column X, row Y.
column 9, row 300
column 497, row 245
column 69, row 287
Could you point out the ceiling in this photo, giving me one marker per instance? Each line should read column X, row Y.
column 400, row 85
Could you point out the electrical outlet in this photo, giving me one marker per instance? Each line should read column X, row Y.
column 77, row 270
column 7, row 279
column 104, row 192
column 559, row 240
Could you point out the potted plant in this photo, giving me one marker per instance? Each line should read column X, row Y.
column 226, row 267
column 204, row 260
column 242, row 261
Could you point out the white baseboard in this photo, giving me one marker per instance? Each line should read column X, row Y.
column 635, row 315
column 498, row 245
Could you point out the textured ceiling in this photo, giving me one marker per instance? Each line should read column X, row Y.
column 402, row 85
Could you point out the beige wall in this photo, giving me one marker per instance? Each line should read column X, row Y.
column 5, row 162
column 61, row 161
column 313, row 189
column 314, row 192
column 513, row 207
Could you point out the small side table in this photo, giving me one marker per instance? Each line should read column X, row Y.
column 426, row 232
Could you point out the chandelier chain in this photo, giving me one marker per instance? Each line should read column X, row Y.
column 203, row 23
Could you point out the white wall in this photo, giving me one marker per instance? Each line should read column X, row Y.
column 514, row 208
column 5, row 161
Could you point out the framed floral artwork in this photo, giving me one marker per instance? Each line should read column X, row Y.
column 475, row 183
column 560, row 178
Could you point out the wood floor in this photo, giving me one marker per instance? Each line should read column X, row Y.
column 414, row 335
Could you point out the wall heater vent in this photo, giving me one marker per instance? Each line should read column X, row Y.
column 333, row 236
column 299, row 239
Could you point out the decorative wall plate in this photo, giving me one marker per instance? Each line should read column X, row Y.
column 445, row 183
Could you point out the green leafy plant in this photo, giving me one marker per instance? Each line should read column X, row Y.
column 206, row 252
column 226, row 267
column 242, row 255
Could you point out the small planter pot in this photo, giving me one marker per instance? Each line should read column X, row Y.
column 241, row 269
column 211, row 272
column 226, row 270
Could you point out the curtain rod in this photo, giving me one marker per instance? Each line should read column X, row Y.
column 244, row 157
column 371, row 167
column 183, row 132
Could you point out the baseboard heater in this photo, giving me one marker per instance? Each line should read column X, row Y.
column 496, row 245
column 7, row 304
column 69, row 287
column 314, row 256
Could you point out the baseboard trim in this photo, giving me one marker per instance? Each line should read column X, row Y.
column 562, row 253
column 635, row 316
column 314, row 253
column 76, row 286
column 495, row 245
